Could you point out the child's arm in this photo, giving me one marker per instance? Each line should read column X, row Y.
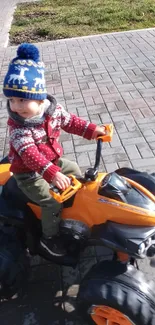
column 25, row 147
column 76, row 125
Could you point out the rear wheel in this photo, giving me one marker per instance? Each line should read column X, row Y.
column 113, row 293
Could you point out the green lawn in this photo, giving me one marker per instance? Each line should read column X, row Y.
column 55, row 19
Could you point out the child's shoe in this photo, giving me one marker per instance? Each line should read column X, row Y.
column 53, row 245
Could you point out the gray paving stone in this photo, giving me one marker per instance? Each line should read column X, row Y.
column 82, row 159
column 145, row 150
column 132, row 152
column 110, row 167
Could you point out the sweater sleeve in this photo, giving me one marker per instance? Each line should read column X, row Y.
column 76, row 125
column 30, row 155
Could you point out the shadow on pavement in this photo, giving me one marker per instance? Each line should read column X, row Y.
column 45, row 301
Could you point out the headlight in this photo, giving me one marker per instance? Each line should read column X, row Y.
column 148, row 242
column 141, row 249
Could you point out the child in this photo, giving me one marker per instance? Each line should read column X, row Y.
column 35, row 121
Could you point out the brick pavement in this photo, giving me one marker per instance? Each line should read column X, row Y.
column 103, row 78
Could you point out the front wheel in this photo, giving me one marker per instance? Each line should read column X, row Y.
column 113, row 293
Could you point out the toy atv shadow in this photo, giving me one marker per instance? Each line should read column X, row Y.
column 115, row 210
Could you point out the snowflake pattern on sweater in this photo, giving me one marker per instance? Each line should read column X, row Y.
column 36, row 147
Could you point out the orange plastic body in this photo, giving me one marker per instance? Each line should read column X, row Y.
column 90, row 207
column 93, row 209
column 5, row 173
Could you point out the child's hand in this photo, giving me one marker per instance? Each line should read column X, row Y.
column 61, row 181
column 100, row 130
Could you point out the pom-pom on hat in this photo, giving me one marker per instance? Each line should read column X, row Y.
column 25, row 76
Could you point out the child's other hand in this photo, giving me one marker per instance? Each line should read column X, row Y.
column 100, row 130
column 61, row 181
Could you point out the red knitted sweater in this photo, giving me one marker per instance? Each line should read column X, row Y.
column 36, row 147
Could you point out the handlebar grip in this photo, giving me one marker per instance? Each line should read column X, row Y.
column 62, row 196
column 109, row 128
column 55, row 189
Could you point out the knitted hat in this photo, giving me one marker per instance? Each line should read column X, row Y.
column 25, row 76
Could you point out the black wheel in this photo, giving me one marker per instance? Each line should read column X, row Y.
column 113, row 293
column 14, row 264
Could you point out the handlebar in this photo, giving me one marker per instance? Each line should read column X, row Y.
column 62, row 196
column 109, row 128
column 104, row 138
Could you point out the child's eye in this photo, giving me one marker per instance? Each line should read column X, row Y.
column 23, row 100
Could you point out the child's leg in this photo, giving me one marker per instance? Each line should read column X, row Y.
column 69, row 167
column 37, row 189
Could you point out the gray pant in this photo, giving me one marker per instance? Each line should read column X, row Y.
column 37, row 189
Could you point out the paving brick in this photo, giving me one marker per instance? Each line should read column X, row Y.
column 144, row 162
column 111, row 167
column 132, row 152
column 85, row 147
column 126, row 163
column 145, row 150
column 95, row 119
column 147, row 112
column 117, row 81
column 120, row 127
column 137, row 114
column 82, row 159
column 71, row 156
column 120, row 116
column 131, row 124
column 121, row 106
column 111, row 97
column 147, row 126
column 135, row 103
column 113, row 150
column 145, row 120
column 105, row 118
column 126, row 95
column 147, row 84
column 115, row 158
column 139, row 85
column 152, row 145
column 82, row 111
column 68, row 146
column 135, row 141
column 147, row 92
column 111, row 107
column 115, row 141
column 130, row 135
column 88, row 101
column 135, row 94
column 126, row 87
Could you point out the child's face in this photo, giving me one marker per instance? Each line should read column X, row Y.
column 24, row 107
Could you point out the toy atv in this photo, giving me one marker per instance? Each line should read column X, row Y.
column 115, row 210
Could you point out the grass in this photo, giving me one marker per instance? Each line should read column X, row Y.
column 56, row 19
